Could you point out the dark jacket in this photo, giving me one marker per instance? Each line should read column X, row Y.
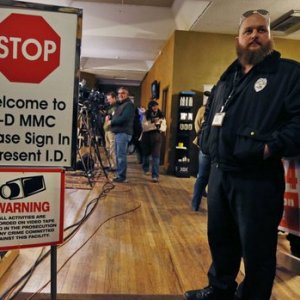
column 122, row 121
column 264, row 108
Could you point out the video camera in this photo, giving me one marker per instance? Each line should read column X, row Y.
column 94, row 102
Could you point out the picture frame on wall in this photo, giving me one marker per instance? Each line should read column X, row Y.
column 155, row 89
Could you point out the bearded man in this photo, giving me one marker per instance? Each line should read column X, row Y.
column 252, row 120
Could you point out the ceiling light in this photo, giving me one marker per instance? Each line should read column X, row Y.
column 287, row 23
column 120, row 78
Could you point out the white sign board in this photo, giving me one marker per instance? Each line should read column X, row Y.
column 31, row 207
column 39, row 62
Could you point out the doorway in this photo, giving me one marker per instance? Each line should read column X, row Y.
column 164, row 109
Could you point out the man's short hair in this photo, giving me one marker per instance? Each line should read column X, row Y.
column 124, row 88
column 262, row 12
column 112, row 94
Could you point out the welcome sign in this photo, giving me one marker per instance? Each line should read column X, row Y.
column 39, row 70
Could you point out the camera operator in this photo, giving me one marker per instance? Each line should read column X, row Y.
column 153, row 124
column 111, row 98
column 122, row 126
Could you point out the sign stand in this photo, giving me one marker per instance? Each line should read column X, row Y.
column 35, row 131
column 53, row 268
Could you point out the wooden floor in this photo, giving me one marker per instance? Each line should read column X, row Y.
column 142, row 239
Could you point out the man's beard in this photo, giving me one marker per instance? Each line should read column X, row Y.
column 253, row 57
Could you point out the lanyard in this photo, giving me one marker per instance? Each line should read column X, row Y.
column 231, row 92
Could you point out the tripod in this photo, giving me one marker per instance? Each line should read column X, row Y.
column 89, row 140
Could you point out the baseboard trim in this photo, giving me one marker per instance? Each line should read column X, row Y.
column 45, row 296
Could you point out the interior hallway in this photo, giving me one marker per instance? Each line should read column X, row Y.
column 141, row 239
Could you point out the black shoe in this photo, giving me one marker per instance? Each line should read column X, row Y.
column 120, row 180
column 206, row 293
column 209, row 293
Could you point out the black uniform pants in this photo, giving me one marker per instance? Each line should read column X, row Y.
column 244, row 211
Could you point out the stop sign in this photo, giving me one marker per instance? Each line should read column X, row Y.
column 29, row 48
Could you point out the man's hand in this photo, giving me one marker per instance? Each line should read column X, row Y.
column 107, row 120
column 266, row 152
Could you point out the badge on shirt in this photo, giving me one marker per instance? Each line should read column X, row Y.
column 218, row 119
column 260, row 84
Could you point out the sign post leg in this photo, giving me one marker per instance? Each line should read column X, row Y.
column 53, row 266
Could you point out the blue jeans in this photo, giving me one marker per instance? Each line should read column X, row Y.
column 155, row 165
column 202, row 179
column 121, row 144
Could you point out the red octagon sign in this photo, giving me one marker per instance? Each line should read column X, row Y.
column 29, row 48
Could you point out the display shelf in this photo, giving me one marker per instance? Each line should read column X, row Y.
column 182, row 169
column 185, row 128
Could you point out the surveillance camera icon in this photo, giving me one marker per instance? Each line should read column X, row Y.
column 22, row 187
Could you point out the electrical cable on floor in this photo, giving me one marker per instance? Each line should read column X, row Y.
column 104, row 192
column 108, row 186
column 77, row 226
column 82, row 245
column 8, row 293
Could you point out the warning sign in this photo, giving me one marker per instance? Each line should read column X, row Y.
column 31, row 207
column 39, row 65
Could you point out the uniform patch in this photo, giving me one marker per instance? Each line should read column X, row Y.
column 260, row 84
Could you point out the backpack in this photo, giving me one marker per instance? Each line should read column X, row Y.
column 137, row 127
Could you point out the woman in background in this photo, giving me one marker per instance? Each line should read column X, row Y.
column 153, row 124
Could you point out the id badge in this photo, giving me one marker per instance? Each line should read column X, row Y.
column 218, row 119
